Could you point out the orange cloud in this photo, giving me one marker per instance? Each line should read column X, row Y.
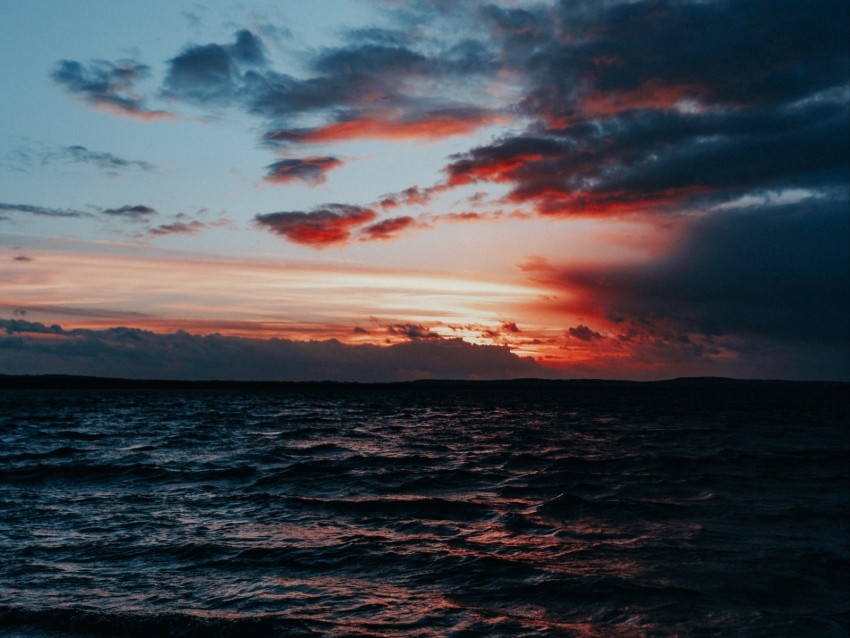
column 434, row 127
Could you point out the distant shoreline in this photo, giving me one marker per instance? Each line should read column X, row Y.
column 73, row 382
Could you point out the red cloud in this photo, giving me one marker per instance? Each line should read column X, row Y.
column 429, row 127
column 387, row 228
column 326, row 226
column 650, row 95
column 499, row 169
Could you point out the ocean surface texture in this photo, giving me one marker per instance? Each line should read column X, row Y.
column 574, row 509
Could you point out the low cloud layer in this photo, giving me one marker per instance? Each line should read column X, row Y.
column 33, row 348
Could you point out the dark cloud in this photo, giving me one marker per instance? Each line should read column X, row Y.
column 412, row 331
column 138, row 211
column 370, row 87
column 239, row 74
column 387, row 228
column 107, row 85
column 325, row 226
column 371, row 62
column 410, row 196
column 767, row 273
column 583, row 333
column 22, row 258
column 312, row 170
column 608, row 56
column 510, row 326
column 133, row 353
column 215, row 72
column 643, row 160
column 639, row 113
column 106, row 161
column 42, row 211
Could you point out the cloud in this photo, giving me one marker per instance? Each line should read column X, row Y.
column 136, row 212
column 583, row 333
column 215, row 72
column 427, row 125
column 319, row 228
column 387, row 228
column 33, row 348
column 652, row 161
column 412, row 331
column 629, row 112
column 413, row 196
column 22, row 258
column 107, row 85
column 372, row 87
column 42, row 211
column 312, row 170
column 759, row 277
column 22, row 158
column 510, row 326
column 178, row 228
column 106, row 161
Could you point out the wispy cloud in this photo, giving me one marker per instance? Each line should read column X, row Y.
column 136, row 212
column 43, row 211
column 107, row 85
column 26, row 156
column 101, row 159
column 179, row 228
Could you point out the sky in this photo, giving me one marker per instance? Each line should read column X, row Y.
column 388, row 190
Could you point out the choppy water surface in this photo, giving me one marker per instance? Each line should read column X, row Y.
column 425, row 511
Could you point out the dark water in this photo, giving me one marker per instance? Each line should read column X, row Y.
column 582, row 510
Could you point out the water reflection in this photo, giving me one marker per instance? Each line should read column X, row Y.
column 427, row 514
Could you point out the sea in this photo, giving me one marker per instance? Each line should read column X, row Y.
column 694, row 507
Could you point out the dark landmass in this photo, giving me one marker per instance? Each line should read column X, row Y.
column 71, row 382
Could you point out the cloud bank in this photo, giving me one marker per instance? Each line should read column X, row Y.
column 33, row 348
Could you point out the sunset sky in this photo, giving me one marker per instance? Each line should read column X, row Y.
column 388, row 190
